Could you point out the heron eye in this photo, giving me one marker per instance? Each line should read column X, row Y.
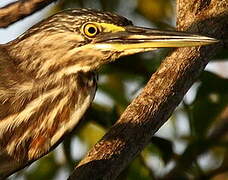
column 90, row 30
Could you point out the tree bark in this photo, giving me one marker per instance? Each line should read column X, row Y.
column 162, row 94
column 20, row 9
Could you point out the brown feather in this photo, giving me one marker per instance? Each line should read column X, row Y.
column 54, row 104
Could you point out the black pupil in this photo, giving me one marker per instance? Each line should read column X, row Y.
column 92, row 30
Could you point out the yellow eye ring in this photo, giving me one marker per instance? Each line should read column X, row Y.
column 90, row 30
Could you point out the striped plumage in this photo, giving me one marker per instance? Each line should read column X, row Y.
column 45, row 86
column 48, row 79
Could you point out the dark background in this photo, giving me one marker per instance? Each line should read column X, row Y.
column 194, row 137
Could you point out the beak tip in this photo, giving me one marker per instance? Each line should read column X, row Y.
column 209, row 40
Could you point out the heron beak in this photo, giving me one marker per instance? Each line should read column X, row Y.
column 145, row 39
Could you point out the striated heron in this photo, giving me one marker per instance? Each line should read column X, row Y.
column 48, row 76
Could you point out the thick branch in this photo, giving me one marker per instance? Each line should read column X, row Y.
column 164, row 91
column 20, row 9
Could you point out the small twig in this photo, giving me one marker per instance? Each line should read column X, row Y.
column 222, row 128
column 18, row 10
column 218, row 132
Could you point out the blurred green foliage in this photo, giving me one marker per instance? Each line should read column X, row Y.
column 120, row 82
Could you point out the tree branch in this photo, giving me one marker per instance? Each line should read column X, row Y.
column 20, row 9
column 164, row 91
